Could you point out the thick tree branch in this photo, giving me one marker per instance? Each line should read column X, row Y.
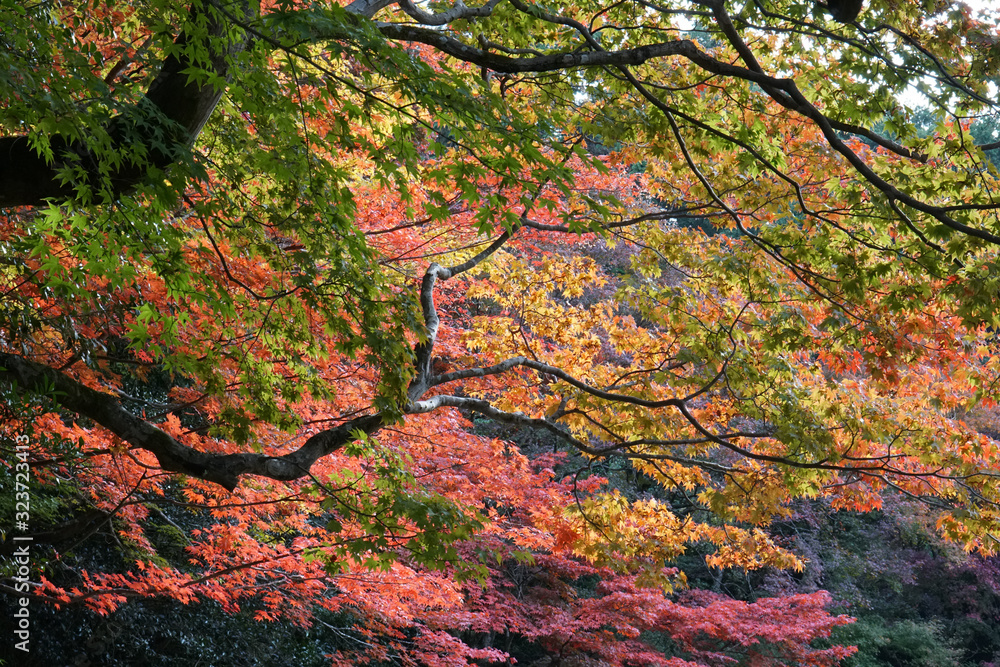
column 424, row 351
column 172, row 455
column 368, row 8
column 487, row 409
column 458, row 11
column 545, row 63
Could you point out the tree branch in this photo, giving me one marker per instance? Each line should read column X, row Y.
column 172, row 455
column 458, row 11
column 424, row 351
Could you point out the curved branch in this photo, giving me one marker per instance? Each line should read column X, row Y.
column 458, row 11
column 368, row 8
column 562, row 375
column 545, row 63
column 424, row 351
column 486, row 408
column 172, row 455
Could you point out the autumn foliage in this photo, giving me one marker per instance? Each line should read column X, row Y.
column 360, row 315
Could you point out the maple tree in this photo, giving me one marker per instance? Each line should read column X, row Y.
column 266, row 264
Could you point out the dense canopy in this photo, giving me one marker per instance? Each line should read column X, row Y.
column 367, row 306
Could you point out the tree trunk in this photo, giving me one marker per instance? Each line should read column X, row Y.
column 171, row 114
